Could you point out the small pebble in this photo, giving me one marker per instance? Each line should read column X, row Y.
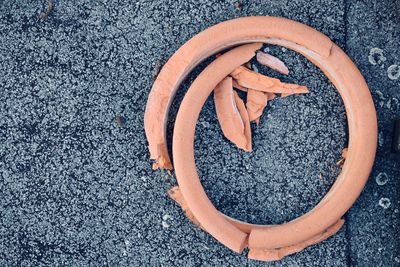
column 384, row 203
column 205, row 124
column 120, row 121
column 164, row 221
column 238, row 5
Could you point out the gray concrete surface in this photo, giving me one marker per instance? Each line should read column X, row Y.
column 374, row 231
column 76, row 186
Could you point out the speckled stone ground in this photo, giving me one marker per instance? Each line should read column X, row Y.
column 75, row 181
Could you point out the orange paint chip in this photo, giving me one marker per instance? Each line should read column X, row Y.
column 280, row 253
column 162, row 160
column 250, row 79
column 256, row 102
column 343, row 159
column 228, row 114
column 344, row 152
column 176, row 195
column 272, row 62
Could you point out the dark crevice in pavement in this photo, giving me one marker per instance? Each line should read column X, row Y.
column 345, row 19
column 346, row 217
column 349, row 260
column 347, row 229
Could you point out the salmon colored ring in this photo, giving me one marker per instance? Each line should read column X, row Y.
column 307, row 229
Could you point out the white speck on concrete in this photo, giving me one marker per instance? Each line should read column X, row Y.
column 376, row 56
column 381, row 98
column 125, row 250
column 204, row 246
column 393, row 72
column 381, row 178
column 165, row 224
column 389, row 104
column 384, row 202
column 205, row 124
column 379, row 93
column 381, row 139
column 394, row 104
column 254, row 67
column 166, row 217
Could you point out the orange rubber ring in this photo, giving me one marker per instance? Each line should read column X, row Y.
column 265, row 242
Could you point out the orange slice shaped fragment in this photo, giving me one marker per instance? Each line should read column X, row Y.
column 246, row 121
column 256, row 102
column 251, row 79
column 272, row 62
column 176, row 195
column 229, row 117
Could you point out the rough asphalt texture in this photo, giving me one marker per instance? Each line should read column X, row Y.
column 75, row 180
